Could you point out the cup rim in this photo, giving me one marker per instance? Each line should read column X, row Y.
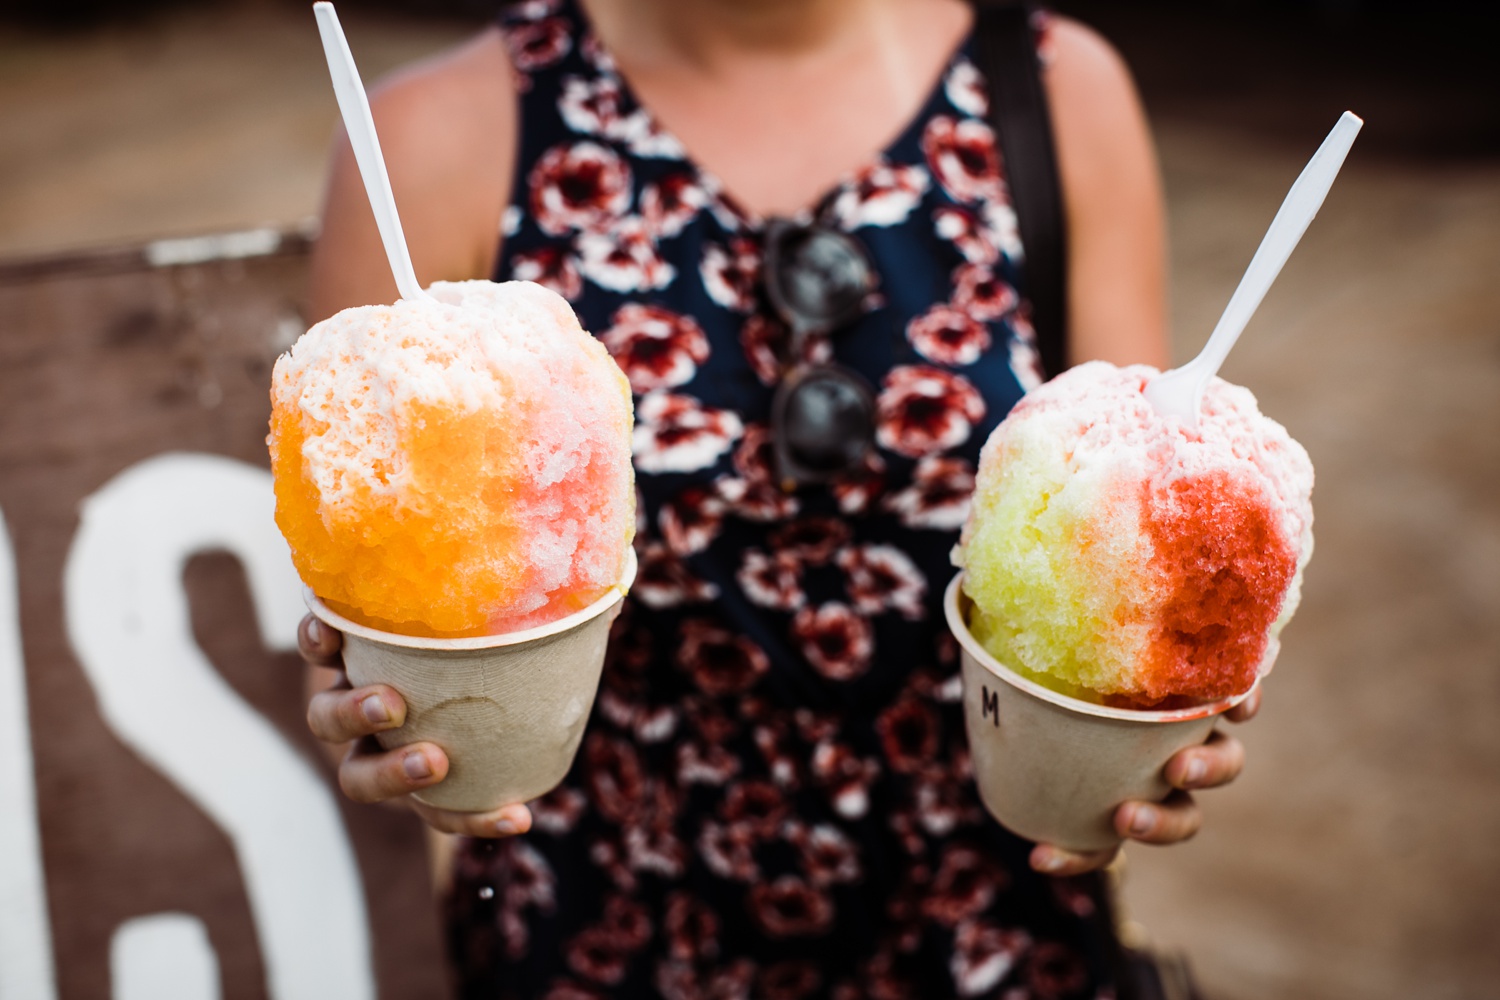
column 960, row 630
column 616, row 594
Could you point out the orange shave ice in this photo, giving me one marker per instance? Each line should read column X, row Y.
column 455, row 466
column 1117, row 555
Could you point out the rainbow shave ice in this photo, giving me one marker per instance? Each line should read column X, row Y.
column 456, row 464
column 1118, row 555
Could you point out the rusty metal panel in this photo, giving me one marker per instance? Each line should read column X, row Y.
column 109, row 361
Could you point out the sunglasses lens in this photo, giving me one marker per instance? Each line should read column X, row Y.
column 823, row 416
column 823, row 276
column 827, row 424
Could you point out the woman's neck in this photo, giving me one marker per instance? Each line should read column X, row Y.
column 781, row 98
column 704, row 34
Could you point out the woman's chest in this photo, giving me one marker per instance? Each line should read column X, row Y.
column 779, row 130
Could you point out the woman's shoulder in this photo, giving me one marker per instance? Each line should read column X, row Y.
column 1112, row 189
column 472, row 80
column 1086, row 77
column 447, row 128
column 1082, row 47
column 448, row 123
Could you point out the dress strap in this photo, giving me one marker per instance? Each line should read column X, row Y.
column 1005, row 50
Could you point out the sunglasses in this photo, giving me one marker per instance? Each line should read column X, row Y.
column 823, row 415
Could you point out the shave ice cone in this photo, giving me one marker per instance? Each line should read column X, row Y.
column 453, row 477
column 1125, row 580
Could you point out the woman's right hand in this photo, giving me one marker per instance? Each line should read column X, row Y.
column 343, row 716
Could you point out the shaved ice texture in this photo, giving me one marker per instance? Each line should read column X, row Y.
column 454, row 467
column 1114, row 554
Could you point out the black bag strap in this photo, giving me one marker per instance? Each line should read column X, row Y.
column 1006, row 54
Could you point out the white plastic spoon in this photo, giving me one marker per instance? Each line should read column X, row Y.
column 1178, row 393
column 360, row 125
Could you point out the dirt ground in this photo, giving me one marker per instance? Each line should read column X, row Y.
column 1359, row 856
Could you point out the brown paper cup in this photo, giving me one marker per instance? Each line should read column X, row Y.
column 508, row 710
column 1052, row 768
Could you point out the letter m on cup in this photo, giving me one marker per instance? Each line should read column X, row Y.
column 989, row 704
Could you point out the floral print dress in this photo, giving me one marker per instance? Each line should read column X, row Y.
column 773, row 798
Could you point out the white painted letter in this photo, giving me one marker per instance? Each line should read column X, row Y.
column 25, row 934
column 127, row 618
column 166, row 956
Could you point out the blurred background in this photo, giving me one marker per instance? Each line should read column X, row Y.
column 1359, row 856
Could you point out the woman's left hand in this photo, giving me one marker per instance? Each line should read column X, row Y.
column 1215, row 763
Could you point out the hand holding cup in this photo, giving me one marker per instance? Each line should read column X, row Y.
column 347, row 717
column 1176, row 818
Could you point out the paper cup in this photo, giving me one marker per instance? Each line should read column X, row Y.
column 1052, row 768
column 509, row 710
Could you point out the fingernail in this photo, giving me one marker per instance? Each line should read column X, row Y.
column 1142, row 819
column 416, row 767
column 506, row 827
column 374, row 710
column 1050, row 861
column 1197, row 769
